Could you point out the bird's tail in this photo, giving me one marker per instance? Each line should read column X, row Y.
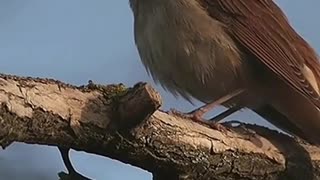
column 280, row 121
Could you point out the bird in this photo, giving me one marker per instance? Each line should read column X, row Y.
column 237, row 54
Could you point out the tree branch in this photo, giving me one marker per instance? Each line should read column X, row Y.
column 124, row 124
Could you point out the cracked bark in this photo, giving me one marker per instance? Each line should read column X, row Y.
column 125, row 124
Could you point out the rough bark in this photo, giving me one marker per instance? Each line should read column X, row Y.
column 125, row 124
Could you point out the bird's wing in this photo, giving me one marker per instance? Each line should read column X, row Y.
column 261, row 28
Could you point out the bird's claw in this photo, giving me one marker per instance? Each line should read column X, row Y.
column 196, row 117
column 191, row 115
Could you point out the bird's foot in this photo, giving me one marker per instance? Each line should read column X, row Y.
column 241, row 127
column 245, row 132
column 217, row 126
column 196, row 116
column 190, row 115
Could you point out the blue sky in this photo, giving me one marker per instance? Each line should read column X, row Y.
column 78, row 40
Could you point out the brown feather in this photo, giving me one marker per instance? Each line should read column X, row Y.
column 207, row 49
column 261, row 28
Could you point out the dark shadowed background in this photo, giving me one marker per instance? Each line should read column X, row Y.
column 78, row 40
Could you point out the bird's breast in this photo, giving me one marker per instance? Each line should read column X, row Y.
column 187, row 51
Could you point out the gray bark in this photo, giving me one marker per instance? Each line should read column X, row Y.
column 125, row 124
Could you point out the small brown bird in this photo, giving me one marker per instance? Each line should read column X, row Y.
column 239, row 54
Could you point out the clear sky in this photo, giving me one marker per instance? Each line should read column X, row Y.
column 78, row 40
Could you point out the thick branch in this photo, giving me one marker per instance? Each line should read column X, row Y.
column 124, row 124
